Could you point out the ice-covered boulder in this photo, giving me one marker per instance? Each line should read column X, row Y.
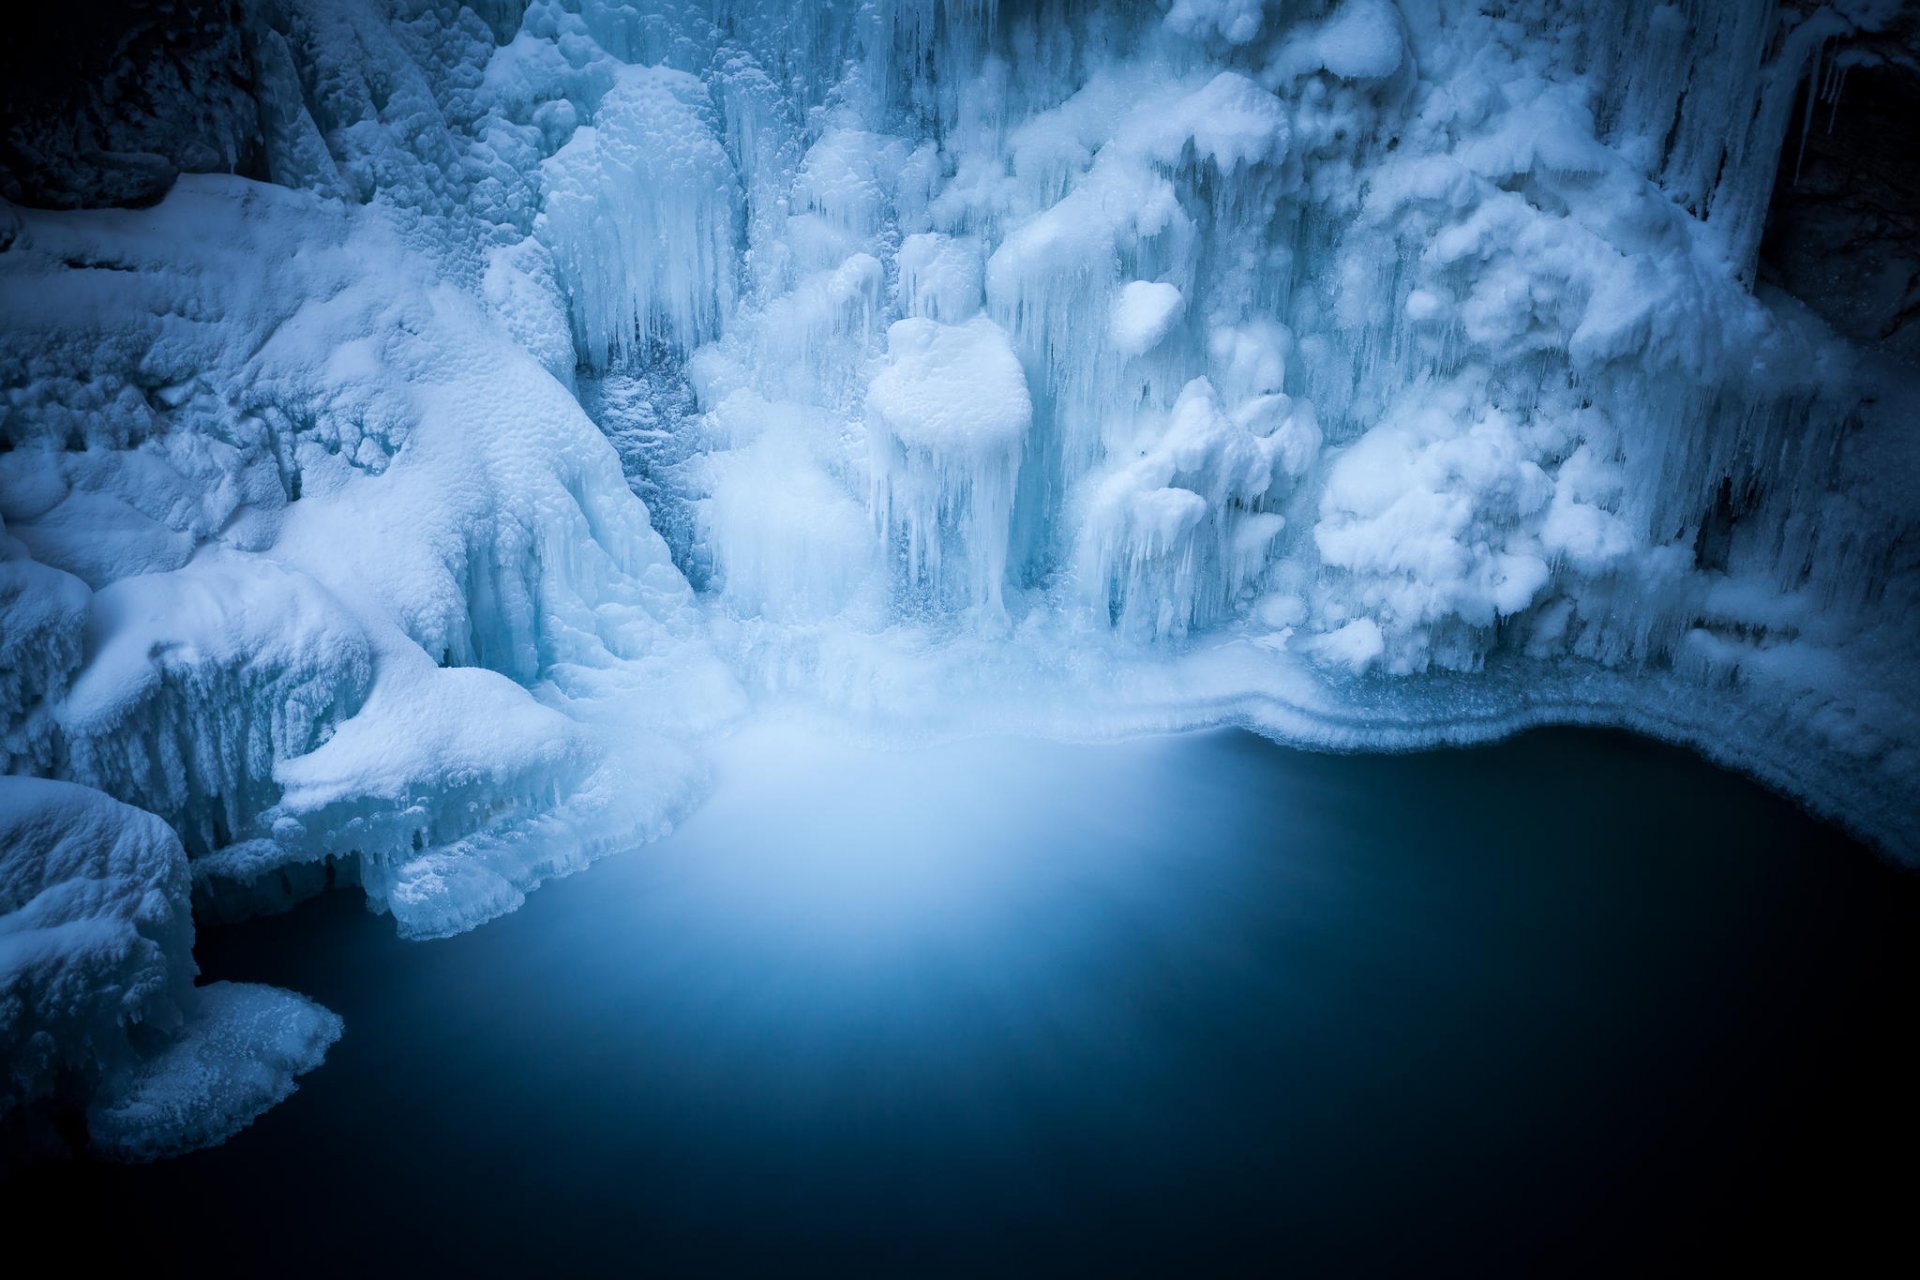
column 98, row 1012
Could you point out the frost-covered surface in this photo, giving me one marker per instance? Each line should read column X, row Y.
column 98, row 1011
column 569, row 381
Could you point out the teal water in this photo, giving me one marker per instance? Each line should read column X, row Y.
column 1576, row 1003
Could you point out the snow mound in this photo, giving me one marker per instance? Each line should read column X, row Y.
column 373, row 582
column 1143, row 312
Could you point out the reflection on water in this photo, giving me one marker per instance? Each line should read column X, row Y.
column 1187, row 1005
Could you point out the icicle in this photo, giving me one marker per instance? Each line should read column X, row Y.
column 1806, row 117
column 640, row 215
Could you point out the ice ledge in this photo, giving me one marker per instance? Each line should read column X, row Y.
column 238, row 1057
column 1841, row 758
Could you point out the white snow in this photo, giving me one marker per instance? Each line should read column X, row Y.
column 1143, row 313
column 1236, row 21
column 1360, row 40
column 940, row 276
column 947, row 420
column 639, row 215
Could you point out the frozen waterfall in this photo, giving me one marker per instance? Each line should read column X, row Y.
column 427, row 425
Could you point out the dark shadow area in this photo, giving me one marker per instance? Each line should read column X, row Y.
column 106, row 102
column 1843, row 226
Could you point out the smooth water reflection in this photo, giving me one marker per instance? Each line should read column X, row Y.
column 1187, row 1005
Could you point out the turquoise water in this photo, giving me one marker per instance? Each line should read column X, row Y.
column 1197, row 1005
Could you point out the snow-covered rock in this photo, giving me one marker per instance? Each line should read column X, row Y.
column 98, row 1012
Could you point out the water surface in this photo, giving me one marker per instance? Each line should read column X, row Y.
column 1196, row 1005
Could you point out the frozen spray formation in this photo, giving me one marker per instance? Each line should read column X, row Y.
column 481, row 405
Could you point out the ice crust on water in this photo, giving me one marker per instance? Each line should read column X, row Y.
column 1373, row 374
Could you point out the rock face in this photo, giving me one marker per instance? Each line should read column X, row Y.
column 1843, row 230
column 106, row 102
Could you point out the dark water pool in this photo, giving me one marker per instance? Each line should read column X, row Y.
column 1195, row 1006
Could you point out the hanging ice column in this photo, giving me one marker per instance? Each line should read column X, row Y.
column 947, row 420
column 641, row 212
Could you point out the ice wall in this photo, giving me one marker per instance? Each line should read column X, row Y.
column 1428, row 337
column 1381, row 340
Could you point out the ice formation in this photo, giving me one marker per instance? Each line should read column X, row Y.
column 947, row 419
column 491, row 402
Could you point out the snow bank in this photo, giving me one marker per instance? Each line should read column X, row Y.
column 401, row 573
